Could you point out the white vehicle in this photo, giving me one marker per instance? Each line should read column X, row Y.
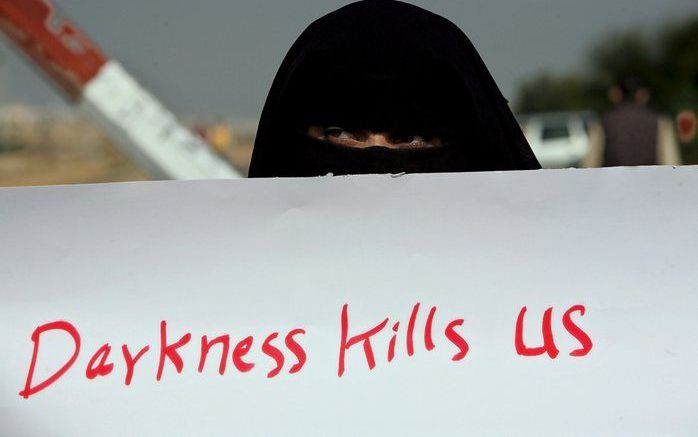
column 558, row 139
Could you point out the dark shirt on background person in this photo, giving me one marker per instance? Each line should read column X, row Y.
column 631, row 134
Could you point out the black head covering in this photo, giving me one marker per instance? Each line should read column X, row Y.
column 386, row 66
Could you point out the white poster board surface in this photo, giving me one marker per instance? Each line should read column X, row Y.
column 268, row 270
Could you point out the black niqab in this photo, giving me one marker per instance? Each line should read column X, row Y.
column 386, row 66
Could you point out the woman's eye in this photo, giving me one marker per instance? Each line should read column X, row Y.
column 414, row 141
column 339, row 134
column 417, row 141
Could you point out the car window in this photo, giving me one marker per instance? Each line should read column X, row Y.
column 555, row 129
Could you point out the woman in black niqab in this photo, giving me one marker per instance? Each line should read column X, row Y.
column 390, row 67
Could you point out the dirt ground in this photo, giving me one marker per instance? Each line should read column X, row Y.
column 41, row 167
column 103, row 163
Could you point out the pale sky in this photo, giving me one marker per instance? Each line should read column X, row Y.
column 214, row 57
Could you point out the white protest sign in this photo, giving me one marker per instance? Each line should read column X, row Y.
column 550, row 303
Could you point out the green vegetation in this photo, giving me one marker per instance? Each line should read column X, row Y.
column 667, row 63
column 10, row 147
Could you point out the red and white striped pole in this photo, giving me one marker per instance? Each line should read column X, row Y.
column 136, row 120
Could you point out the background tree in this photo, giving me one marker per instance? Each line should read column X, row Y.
column 666, row 62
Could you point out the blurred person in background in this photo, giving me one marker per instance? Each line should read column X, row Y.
column 381, row 86
column 632, row 134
